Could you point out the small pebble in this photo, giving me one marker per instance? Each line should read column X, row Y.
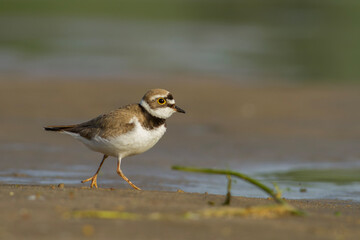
column 61, row 186
column 11, row 193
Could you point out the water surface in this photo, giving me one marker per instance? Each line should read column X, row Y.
column 296, row 181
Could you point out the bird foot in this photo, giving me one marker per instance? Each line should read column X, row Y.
column 93, row 181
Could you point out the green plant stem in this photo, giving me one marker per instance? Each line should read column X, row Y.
column 235, row 174
column 228, row 194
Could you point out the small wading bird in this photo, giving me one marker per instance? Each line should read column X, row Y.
column 126, row 131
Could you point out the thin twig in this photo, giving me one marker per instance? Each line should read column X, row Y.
column 228, row 194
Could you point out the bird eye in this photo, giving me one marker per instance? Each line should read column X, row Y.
column 161, row 101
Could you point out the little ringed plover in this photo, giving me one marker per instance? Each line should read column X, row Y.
column 126, row 131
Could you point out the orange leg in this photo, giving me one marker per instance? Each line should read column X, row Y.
column 93, row 178
column 123, row 176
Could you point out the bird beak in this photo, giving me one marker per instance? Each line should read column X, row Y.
column 179, row 109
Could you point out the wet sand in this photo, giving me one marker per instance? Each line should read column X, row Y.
column 42, row 212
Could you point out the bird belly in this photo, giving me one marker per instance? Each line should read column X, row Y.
column 136, row 141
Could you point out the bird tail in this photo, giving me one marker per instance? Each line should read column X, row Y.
column 58, row 128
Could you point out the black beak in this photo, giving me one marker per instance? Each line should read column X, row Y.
column 179, row 109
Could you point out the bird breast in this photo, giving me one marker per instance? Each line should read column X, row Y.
column 136, row 141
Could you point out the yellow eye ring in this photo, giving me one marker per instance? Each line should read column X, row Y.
column 161, row 101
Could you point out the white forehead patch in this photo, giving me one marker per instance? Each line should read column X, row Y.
column 171, row 101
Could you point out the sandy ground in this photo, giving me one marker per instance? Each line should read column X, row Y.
column 278, row 124
column 42, row 212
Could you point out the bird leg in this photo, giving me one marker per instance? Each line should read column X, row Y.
column 93, row 178
column 123, row 176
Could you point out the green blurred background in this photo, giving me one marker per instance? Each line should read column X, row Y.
column 242, row 40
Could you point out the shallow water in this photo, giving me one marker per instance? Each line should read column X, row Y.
column 304, row 181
